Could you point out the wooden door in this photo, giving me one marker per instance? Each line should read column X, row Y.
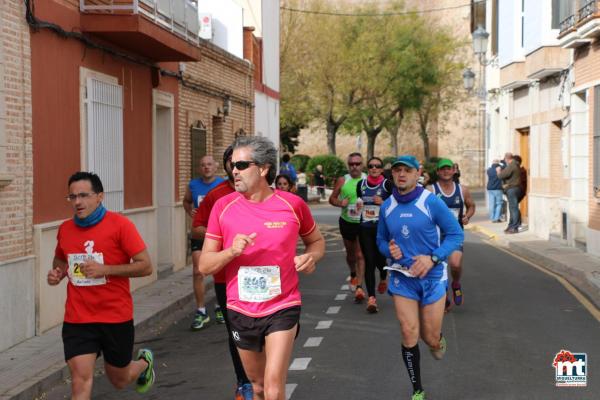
column 524, row 153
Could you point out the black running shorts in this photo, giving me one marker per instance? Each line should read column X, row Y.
column 349, row 230
column 196, row 244
column 113, row 341
column 249, row 333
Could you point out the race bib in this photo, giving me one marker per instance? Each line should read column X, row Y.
column 353, row 212
column 76, row 276
column 455, row 211
column 400, row 268
column 259, row 284
column 370, row 213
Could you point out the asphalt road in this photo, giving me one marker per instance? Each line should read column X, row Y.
column 501, row 342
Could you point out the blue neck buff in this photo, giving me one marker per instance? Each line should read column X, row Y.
column 408, row 197
column 91, row 219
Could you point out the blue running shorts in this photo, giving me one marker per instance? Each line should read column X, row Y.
column 425, row 291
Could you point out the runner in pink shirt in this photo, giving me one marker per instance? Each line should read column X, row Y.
column 252, row 234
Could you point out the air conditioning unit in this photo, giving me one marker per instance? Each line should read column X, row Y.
column 206, row 26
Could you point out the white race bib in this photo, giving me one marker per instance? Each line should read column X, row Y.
column 76, row 276
column 456, row 212
column 259, row 284
column 400, row 268
column 353, row 212
column 370, row 213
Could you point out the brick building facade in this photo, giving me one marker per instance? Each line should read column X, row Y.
column 16, row 212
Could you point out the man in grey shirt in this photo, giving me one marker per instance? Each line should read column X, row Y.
column 511, row 183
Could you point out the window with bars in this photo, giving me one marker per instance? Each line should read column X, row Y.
column 104, row 114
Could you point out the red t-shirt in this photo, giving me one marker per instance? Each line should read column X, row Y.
column 203, row 213
column 116, row 240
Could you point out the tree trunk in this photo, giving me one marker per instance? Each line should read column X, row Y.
column 425, row 139
column 371, row 136
column 332, row 128
column 393, row 130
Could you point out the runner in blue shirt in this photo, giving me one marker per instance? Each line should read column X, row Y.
column 460, row 202
column 411, row 225
column 196, row 191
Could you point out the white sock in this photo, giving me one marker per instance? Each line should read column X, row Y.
column 202, row 310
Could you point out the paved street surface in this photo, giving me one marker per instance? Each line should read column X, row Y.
column 501, row 342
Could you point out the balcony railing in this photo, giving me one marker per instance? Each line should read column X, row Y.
column 567, row 23
column 589, row 8
column 178, row 16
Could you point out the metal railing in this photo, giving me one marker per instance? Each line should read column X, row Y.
column 178, row 16
column 589, row 8
column 567, row 23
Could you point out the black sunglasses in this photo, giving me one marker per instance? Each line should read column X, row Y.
column 241, row 165
column 372, row 166
column 354, row 164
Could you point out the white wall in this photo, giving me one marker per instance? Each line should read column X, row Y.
column 267, row 117
column 228, row 24
column 270, row 36
column 538, row 25
column 509, row 32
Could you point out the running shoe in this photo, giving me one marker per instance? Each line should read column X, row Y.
column 219, row 317
column 244, row 392
column 353, row 284
column 438, row 353
column 200, row 320
column 382, row 287
column 418, row 395
column 359, row 295
column 457, row 293
column 146, row 378
column 372, row 305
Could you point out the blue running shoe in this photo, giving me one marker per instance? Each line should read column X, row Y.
column 244, row 392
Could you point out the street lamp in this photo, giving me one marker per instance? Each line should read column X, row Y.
column 468, row 79
column 480, row 42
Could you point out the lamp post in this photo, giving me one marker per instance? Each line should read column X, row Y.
column 480, row 44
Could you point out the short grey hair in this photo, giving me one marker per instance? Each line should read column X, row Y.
column 263, row 150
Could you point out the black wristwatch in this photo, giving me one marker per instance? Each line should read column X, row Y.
column 435, row 259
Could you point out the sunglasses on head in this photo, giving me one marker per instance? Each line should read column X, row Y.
column 241, row 165
column 354, row 164
column 372, row 166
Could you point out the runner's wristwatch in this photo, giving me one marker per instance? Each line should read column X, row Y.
column 436, row 260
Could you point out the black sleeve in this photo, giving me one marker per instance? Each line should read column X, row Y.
column 358, row 191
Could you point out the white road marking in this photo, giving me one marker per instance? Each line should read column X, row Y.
column 341, row 296
column 345, row 287
column 333, row 310
column 289, row 389
column 300, row 364
column 313, row 342
column 324, row 325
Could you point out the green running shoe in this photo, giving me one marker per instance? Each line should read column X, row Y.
column 418, row 395
column 146, row 378
column 438, row 354
column 219, row 317
column 200, row 320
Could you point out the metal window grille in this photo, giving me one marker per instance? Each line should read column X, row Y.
column 104, row 110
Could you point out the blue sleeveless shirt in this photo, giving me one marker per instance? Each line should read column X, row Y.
column 200, row 189
column 455, row 201
column 370, row 211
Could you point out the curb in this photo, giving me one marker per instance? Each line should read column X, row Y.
column 577, row 278
column 49, row 378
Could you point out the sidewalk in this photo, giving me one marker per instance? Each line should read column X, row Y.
column 31, row 367
column 579, row 268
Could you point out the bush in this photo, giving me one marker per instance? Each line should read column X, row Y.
column 300, row 161
column 333, row 167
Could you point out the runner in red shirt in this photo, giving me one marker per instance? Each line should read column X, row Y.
column 258, row 254
column 95, row 250
column 244, row 387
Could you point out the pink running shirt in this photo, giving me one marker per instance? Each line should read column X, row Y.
column 269, row 281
